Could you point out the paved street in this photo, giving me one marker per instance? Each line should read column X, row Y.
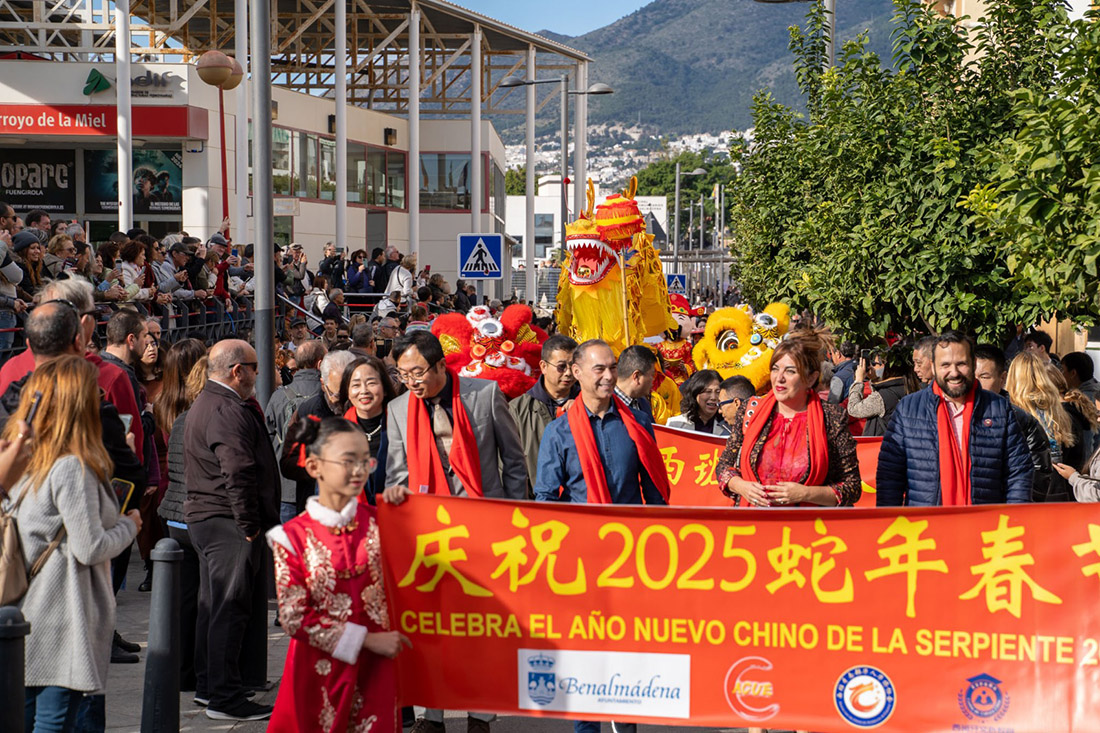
column 125, row 681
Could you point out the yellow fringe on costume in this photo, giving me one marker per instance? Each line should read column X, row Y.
column 594, row 311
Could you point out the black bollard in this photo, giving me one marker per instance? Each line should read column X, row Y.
column 13, row 630
column 160, row 708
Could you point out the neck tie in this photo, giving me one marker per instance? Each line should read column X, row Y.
column 444, row 438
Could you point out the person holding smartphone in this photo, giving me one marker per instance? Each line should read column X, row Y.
column 889, row 377
column 65, row 506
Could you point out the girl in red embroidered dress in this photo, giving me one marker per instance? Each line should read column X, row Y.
column 339, row 673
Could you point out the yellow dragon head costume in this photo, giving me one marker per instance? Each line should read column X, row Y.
column 611, row 285
column 740, row 341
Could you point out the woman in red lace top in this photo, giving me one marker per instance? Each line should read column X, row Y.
column 788, row 448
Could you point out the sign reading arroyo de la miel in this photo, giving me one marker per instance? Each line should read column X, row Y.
column 936, row 619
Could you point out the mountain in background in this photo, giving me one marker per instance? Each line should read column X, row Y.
column 686, row 66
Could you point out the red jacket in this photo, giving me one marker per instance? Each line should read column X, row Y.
column 112, row 380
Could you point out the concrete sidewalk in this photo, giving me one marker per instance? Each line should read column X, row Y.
column 125, row 681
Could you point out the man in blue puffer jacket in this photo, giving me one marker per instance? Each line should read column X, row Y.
column 985, row 462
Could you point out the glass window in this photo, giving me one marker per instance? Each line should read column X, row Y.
column 544, row 234
column 395, row 180
column 305, row 165
column 328, row 170
column 284, row 231
column 497, row 198
column 376, row 177
column 280, row 162
column 445, row 181
column 357, row 174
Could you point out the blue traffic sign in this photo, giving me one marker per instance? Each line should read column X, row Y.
column 677, row 283
column 481, row 256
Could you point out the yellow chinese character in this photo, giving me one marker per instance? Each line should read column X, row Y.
column 443, row 559
column 786, row 558
column 1003, row 571
column 546, row 538
column 818, row 569
column 673, row 465
column 909, row 548
column 705, row 469
column 1093, row 545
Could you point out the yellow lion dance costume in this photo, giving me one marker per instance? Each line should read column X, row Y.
column 738, row 341
column 593, row 299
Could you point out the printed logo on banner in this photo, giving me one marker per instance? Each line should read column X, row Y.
column 610, row 683
column 983, row 698
column 745, row 686
column 541, row 684
column 865, row 697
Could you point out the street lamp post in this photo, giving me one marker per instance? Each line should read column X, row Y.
column 563, row 80
column 676, row 217
column 223, row 72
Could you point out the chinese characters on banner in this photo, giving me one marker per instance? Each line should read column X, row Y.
column 690, row 459
column 977, row 618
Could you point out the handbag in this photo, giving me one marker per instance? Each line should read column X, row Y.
column 14, row 578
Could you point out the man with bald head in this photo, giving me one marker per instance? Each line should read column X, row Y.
column 232, row 499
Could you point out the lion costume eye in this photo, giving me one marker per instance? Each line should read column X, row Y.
column 766, row 320
column 728, row 341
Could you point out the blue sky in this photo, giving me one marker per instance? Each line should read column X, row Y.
column 569, row 17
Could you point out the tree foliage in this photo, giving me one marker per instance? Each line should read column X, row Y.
column 854, row 211
column 659, row 178
column 515, row 181
column 1043, row 203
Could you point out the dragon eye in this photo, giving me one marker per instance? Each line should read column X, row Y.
column 766, row 320
column 728, row 341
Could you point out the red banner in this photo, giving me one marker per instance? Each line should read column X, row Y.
column 973, row 619
column 690, row 459
column 98, row 119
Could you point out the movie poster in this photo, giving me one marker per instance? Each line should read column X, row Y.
column 38, row 179
column 156, row 185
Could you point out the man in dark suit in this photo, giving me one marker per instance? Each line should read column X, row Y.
column 232, row 499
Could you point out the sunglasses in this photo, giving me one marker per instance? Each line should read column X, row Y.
column 723, row 403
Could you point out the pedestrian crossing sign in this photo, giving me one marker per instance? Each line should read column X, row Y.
column 480, row 256
column 677, row 283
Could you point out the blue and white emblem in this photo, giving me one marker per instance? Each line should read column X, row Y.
column 541, row 682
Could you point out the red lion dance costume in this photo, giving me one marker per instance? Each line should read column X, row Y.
column 506, row 350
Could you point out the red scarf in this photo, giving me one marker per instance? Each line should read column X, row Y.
column 591, row 465
column 426, row 472
column 756, row 417
column 954, row 464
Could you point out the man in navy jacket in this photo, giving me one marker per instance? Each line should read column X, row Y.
column 910, row 470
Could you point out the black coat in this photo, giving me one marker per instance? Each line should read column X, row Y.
column 171, row 506
column 305, row 485
column 230, row 467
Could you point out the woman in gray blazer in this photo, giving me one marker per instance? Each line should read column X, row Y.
column 65, row 493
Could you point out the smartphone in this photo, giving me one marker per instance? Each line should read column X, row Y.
column 234, row 252
column 36, row 402
column 383, row 347
column 124, row 492
column 427, row 268
column 865, row 356
column 127, row 421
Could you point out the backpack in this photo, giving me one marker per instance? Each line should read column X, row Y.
column 14, row 578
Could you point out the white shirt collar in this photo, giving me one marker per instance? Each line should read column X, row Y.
column 327, row 517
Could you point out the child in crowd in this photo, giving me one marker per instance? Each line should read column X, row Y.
column 339, row 673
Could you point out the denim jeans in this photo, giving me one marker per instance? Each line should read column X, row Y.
column 50, row 709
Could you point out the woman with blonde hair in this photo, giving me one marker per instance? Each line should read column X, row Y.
column 401, row 279
column 60, row 248
column 64, row 501
column 1031, row 387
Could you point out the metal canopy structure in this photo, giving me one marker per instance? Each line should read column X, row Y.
column 303, row 36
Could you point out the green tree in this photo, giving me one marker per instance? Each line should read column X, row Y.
column 515, row 181
column 659, row 179
column 1043, row 204
column 854, row 212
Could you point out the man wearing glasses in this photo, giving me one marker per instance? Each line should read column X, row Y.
column 540, row 405
column 450, row 435
column 232, row 498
